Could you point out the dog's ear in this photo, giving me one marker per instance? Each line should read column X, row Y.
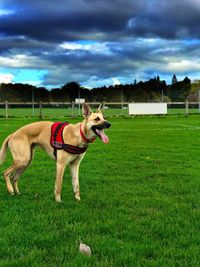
column 99, row 110
column 86, row 110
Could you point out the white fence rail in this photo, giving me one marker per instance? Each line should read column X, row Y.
column 72, row 109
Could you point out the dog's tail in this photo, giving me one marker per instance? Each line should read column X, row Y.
column 4, row 149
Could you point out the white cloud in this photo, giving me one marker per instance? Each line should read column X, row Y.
column 34, row 83
column 94, row 81
column 4, row 12
column 6, row 78
column 22, row 61
column 182, row 66
column 92, row 47
column 116, row 81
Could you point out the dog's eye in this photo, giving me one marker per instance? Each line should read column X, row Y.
column 97, row 119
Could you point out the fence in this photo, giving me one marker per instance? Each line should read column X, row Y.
column 72, row 109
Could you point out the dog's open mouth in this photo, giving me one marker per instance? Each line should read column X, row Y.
column 102, row 135
column 99, row 131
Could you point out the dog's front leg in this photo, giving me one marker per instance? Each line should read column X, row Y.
column 60, row 168
column 74, row 169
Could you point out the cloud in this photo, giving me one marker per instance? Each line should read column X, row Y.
column 99, row 42
column 69, row 20
column 100, row 20
column 22, row 61
column 66, row 19
column 94, row 81
column 4, row 12
column 6, row 78
column 116, row 81
column 183, row 66
column 93, row 47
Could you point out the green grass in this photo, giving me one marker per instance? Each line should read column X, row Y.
column 56, row 112
column 181, row 111
column 140, row 200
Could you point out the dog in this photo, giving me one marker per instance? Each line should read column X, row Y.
column 76, row 138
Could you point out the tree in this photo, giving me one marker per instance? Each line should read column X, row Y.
column 179, row 90
column 158, row 78
column 174, row 79
column 71, row 90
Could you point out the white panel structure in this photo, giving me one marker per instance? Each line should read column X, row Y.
column 80, row 100
column 147, row 108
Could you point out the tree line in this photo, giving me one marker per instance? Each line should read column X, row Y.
column 148, row 91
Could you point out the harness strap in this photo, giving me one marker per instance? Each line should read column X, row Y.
column 59, row 126
column 74, row 149
column 57, row 144
column 57, row 141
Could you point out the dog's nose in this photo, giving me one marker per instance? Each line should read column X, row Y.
column 107, row 124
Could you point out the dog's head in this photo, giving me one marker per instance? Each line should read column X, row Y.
column 95, row 122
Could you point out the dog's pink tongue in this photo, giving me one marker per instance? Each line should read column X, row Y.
column 103, row 136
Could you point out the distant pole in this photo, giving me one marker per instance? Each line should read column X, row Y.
column 122, row 100
column 103, row 107
column 122, row 97
column 79, row 104
column 40, row 110
column 33, row 100
column 73, row 108
column 6, row 108
column 162, row 96
column 186, row 108
column 199, row 99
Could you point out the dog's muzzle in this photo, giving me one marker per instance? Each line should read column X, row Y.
column 99, row 131
column 107, row 124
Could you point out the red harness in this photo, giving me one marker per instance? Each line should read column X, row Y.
column 57, row 141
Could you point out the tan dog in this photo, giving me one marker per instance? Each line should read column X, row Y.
column 24, row 140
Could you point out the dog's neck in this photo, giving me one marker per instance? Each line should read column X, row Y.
column 86, row 134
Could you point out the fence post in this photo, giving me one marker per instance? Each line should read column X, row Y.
column 40, row 110
column 103, row 107
column 199, row 99
column 72, row 108
column 6, row 109
column 186, row 108
column 122, row 101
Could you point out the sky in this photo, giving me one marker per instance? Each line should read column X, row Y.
column 98, row 42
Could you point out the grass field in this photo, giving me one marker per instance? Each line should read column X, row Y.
column 140, row 200
column 56, row 112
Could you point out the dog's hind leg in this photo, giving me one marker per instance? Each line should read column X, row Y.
column 21, row 153
column 15, row 179
column 19, row 172
column 7, row 173
column 14, row 172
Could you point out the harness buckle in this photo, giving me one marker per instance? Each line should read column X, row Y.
column 57, row 144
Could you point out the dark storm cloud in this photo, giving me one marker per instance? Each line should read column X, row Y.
column 167, row 19
column 65, row 20
column 49, row 32
column 68, row 20
column 20, row 44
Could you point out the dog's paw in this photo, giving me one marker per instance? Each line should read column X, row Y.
column 78, row 198
column 58, row 199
